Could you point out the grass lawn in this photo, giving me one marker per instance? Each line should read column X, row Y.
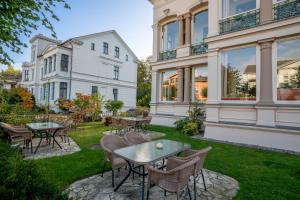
column 261, row 174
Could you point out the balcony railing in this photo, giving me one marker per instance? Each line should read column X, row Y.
column 286, row 9
column 239, row 22
column 198, row 49
column 168, row 55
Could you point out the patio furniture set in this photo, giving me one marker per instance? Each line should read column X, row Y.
column 43, row 130
column 124, row 124
column 140, row 156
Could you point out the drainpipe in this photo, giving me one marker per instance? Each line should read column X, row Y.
column 71, row 70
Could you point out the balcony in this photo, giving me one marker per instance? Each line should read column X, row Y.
column 239, row 22
column 198, row 49
column 287, row 9
column 167, row 55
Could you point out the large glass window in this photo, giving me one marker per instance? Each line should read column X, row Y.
column 234, row 7
column 169, row 85
column 288, row 70
column 64, row 62
column 200, row 27
column 170, row 36
column 63, row 90
column 200, row 83
column 239, row 74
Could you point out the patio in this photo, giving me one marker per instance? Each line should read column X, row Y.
column 96, row 187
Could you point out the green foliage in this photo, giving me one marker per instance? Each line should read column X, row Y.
column 296, row 79
column 21, row 179
column 143, row 84
column 97, row 104
column 16, row 114
column 114, row 106
column 192, row 124
column 19, row 18
column 204, row 92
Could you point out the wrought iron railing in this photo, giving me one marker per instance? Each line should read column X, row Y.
column 168, row 55
column 199, row 48
column 286, row 9
column 239, row 22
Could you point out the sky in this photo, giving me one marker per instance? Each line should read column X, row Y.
column 132, row 19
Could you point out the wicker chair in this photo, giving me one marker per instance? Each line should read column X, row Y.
column 109, row 143
column 189, row 154
column 18, row 132
column 63, row 133
column 133, row 138
column 176, row 177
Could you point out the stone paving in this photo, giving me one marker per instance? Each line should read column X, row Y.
column 148, row 135
column 46, row 151
column 99, row 188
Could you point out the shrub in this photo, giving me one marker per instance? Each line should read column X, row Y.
column 21, row 179
column 192, row 124
column 114, row 106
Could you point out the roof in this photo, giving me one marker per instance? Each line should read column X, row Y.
column 40, row 36
column 103, row 33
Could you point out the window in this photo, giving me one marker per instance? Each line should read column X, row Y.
column 31, row 91
column 288, row 70
column 238, row 71
column 64, row 62
column 127, row 58
column 50, row 64
column 26, row 75
column 169, row 85
column 117, row 52
column 54, row 62
column 200, row 27
column 63, row 90
column 94, row 90
column 115, row 93
column 116, row 72
column 200, row 83
column 45, row 66
column 105, row 48
column 93, row 46
column 170, row 36
column 53, row 91
column 234, row 7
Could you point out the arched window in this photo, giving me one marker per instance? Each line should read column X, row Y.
column 170, row 36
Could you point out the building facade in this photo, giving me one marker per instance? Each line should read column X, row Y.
column 239, row 58
column 97, row 63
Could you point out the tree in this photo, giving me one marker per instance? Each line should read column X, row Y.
column 143, row 83
column 114, row 106
column 10, row 72
column 19, row 18
column 296, row 79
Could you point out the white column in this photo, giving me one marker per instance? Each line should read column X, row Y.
column 213, row 17
column 154, row 88
column 212, row 109
column 156, row 42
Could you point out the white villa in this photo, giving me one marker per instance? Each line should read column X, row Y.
column 240, row 58
column 100, row 62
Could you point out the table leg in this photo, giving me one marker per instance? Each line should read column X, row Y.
column 54, row 140
column 41, row 138
column 143, row 182
column 125, row 178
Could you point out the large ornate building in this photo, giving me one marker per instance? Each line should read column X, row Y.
column 240, row 58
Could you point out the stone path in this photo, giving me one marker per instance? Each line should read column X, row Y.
column 99, row 188
column 46, row 151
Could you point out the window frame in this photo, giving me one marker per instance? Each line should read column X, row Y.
column 115, row 93
column 116, row 72
column 192, row 92
column 61, row 62
column 26, row 75
column 274, row 72
column 258, row 70
column 93, row 45
column 53, row 91
column 193, row 25
column 127, row 57
column 97, row 89
column 221, row 10
column 50, row 64
column 117, row 52
column 105, row 48
column 161, row 86
column 65, row 88
column 162, row 44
